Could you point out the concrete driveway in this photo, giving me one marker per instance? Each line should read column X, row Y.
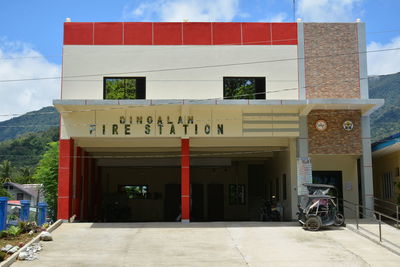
column 208, row 244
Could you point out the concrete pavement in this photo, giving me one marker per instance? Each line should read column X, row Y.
column 208, row 244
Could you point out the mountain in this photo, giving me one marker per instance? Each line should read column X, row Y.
column 386, row 120
column 35, row 121
column 26, row 150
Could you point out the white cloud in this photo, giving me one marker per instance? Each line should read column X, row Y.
column 385, row 62
column 178, row 10
column 328, row 10
column 19, row 61
column 280, row 17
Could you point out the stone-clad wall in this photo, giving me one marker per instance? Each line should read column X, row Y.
column 331, row 60
column 334, row 140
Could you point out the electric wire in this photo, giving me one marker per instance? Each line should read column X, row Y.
column 200, row 67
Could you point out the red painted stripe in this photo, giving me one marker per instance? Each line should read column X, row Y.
column 65, row 177
column 177, row 33
column 256, row 33
column 227, row 33
column 108, row 33
column 168, row 33
column 284, row 33
column 78, row 33
column 197, row 33
column 138, row 33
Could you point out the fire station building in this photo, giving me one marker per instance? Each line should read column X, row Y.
column 210, row 121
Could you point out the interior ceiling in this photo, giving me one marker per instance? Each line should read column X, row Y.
column 141, row 153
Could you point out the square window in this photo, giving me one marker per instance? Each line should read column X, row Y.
column 124, row 88
column 135, row 191
column 237, row 194
column 244, row 87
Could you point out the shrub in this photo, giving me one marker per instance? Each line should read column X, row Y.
column 13, row 231
column 2, row 255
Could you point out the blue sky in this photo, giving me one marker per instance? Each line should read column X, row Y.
column 33, row 30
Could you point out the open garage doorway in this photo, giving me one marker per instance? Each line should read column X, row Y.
column 227, row 183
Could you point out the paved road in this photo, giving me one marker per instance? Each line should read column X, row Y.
column 208, row 244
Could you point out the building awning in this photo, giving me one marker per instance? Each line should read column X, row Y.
column 386, row 146
column 366, row 106
column 195, row 118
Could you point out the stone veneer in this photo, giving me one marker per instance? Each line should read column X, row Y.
column 334, row 140
column 331, row 60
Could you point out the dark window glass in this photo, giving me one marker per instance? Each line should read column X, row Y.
column 124, row 88
column 135, row 191
column 237, row 194
column 20, row 196
column 244, row 87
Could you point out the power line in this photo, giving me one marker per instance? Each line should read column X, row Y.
column 200, row 67
column 217, row 98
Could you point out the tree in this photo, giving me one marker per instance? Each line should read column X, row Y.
column 46, row 173
column 4, row 192
column 5, row 170
column 24, row 175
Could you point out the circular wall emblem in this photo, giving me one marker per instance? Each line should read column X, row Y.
column 321, row 125
column 348, row 125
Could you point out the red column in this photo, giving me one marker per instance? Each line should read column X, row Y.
column 185, row 180
column 85, row 203
column 65, row 178
column 78, row 183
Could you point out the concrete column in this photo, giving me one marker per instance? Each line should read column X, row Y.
column 293, row 178
column 300, row 61
column 367, row 185
column 3, row 213
column 302, row 144
column 185, row 180
column 42, row 213
column 78, row 183
column 362, row 59
column 65, row 178
column 25, row 208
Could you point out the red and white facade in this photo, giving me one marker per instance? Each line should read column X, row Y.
column 313, row 72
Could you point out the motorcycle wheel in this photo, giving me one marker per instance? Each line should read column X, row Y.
column 313, row 223
column 339, row 219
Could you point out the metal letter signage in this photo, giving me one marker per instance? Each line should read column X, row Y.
column 168, row 126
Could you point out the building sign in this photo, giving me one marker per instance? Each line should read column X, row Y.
column 168, row 125
column 304, row 175
column 180, row 121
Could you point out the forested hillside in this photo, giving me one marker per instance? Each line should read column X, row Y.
column 35, row 121
column 26, row 150
column 386, row 120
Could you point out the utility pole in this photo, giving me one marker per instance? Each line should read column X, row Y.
column 294, row 10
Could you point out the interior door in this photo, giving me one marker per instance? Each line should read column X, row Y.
column 215, row 202
column 172, row 202
column 332, row 178
column 197, row 207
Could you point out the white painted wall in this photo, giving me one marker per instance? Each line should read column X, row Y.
column 186, row 81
